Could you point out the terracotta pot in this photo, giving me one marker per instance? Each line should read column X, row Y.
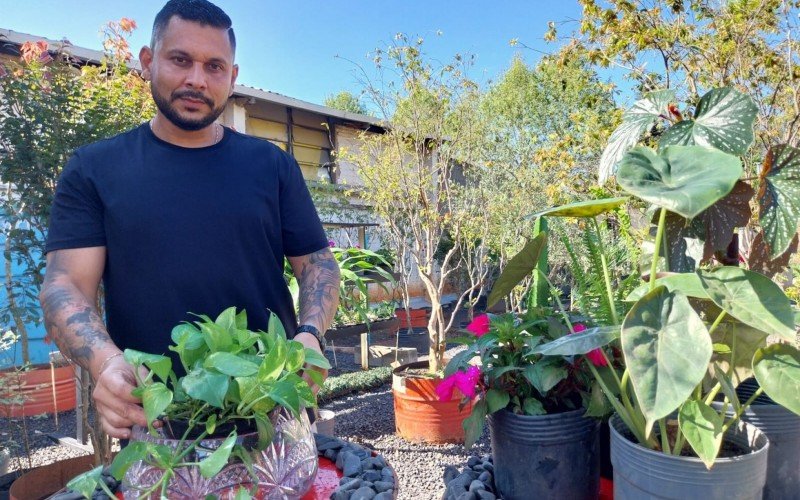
column 44, row 481
column 417, row 317
column 35, row 389
column 418, row 413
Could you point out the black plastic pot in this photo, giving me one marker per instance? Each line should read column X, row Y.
column 546, row 456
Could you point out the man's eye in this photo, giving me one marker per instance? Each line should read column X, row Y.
column 180, row 60
column 215, row 67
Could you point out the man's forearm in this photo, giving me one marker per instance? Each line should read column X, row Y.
column 318, row 282
column 74, row 324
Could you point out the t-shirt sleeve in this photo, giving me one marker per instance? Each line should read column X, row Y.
column 300, row 226
column 76, row 217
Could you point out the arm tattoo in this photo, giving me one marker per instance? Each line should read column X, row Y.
column 69, row 318
column 318, row 280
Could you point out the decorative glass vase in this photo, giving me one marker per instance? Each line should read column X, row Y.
column 285, row 469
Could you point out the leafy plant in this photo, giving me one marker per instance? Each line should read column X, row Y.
column 515, row 373
column 692, row 336
column 234, row 378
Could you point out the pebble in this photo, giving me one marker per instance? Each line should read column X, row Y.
column 364, row 493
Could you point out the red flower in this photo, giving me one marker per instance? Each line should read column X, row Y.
column 595, row 356
column 463, row 381
column 479, row 325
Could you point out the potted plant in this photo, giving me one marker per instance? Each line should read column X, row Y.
column 540, row 406
column 693, row 334
column 233, row 424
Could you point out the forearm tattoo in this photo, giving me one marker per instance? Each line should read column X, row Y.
column 70, row 319
column 318, row 280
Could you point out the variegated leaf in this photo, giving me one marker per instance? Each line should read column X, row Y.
column 635, row 122
column 723, row 120
column 761, row 261
column 779, row 197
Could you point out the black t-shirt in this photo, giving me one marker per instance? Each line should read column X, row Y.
column 186, row 230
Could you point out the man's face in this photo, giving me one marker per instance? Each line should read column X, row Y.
column 191, row 73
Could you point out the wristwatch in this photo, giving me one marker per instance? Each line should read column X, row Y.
column 313, row 331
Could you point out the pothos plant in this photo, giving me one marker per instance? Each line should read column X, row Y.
column 514, row 373
column 695, row 330
column 234, row 378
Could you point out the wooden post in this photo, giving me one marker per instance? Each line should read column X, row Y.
column 365, row 351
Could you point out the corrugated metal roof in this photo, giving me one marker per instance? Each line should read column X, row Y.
column 95, row 56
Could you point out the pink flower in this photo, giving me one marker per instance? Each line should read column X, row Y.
column 463, row 381
column 479, row 325
column 331, row 243
column 595, row 356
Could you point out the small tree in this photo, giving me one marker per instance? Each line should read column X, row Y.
column 50, row 105
column 346, row 101
column 414, row 172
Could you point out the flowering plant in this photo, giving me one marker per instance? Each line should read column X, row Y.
column 515, row 374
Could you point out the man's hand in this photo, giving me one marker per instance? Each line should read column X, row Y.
column 117, row 407
column 309, row 341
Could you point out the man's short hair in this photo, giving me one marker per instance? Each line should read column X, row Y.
column 198, row 11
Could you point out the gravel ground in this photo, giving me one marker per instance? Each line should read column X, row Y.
column 368, row 419
column 43, row 450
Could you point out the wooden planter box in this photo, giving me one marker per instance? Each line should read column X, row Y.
column 386, row 325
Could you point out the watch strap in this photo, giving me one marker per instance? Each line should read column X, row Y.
column 313, row 331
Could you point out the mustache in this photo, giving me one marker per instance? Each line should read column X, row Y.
column 192, row 95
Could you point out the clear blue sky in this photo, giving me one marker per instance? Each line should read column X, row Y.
column 290, row 47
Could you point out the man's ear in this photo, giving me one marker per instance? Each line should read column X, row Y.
column 146, row 59
column 234, row 74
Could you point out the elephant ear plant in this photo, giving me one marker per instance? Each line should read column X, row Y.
column 234, row 379
column 696, row 329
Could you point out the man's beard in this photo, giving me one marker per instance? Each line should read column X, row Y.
column 166, row 108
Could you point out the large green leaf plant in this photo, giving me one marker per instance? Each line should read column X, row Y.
column 690, row 335
column 234, row 378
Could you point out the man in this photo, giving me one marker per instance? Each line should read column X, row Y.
column 179, row 216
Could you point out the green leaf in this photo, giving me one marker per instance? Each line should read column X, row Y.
column 241, row 320
column 160, row 365
column 127, row 456
column 285, row 394
column 211, row 423
column 230, row 364
column 314, row 358
column 276, row 326
column 315, row 377
column 216, row 337
column 242, row 494
column 667, row 349
column 206, row 386
column 517, row 268
column 727, row 386
column 545, row 374
column 155, row 399
column 752, row 298
column 598, row 404
column 272, row 366
column 683, row 179
column 473, row 425
column 589, row 208
column 702, row 427
column 747, row 339
column 212, row 464
column 459, row 361
column 295, row 357
column 86, row 483
column 532, row 406
column 496, row 400
column 777, row 370
column 723, row 120
column 227, row 319
column 265, row 430
column 579, row 343
column 779, row 197
column 687, row 283
column 635, row 122
column 187, row 335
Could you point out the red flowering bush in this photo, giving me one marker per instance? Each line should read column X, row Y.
column 517, row 374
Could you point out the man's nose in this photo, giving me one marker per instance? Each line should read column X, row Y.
column 196, row 78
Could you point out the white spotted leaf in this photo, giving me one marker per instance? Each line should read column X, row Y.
column 723, row 120
column 779, row 197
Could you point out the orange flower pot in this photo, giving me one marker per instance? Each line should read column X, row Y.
column 419, row 415
column 36, row 391
column 44, row 481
